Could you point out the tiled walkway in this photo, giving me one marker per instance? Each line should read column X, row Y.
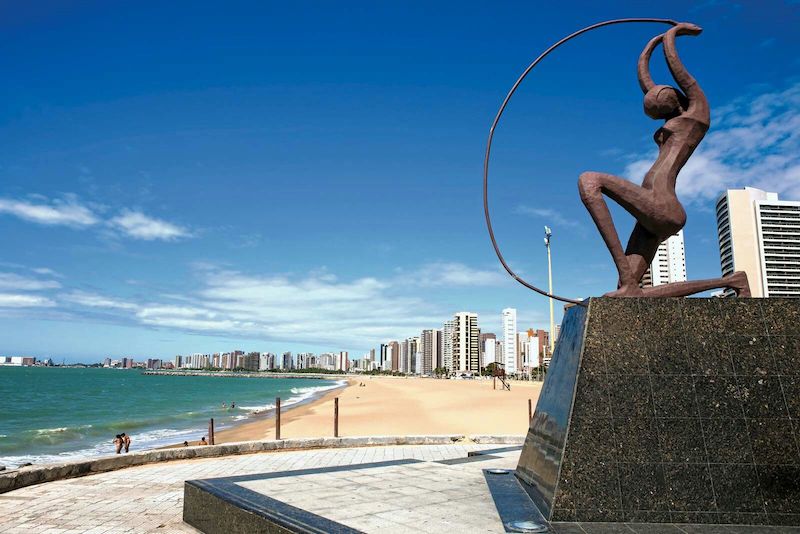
column 150, row 498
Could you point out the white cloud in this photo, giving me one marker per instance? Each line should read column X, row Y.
column 549, row 216
column 68, row 212
column 754, row 141
column 15, row 300
column 16, row 282
column 137, row 225
column 92, row 300
column 316, row 309
column 45, row 271
column 442, row 274
column 72, row 213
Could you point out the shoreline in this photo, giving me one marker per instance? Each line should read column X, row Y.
column 386, row 406
column 264, row 422
column 249, row 374
column 89, row 448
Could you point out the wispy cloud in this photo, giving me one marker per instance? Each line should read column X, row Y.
column 137, row 225
column 15, row 282
column 547, row 215
column 449, row 274
column 753, row 141
column 316, row 308
column 64, row 212
column 46, row 271
column 70, row 212
column 19, row 300
column 93, row 300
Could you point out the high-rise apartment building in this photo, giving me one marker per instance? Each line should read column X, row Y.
column 510, row 339
column 484, row 337
column 342, row 361
column 431, row 348
column 489, row 352
column 448, row 331
column 668, row 265
column 466, row 341
column 760, row 235
column 394, row 355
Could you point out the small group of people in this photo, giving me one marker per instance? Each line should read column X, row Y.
column 201, row 442
column 225, row 406
column 122, row 440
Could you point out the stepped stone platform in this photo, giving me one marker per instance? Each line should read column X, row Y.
column 670, row 411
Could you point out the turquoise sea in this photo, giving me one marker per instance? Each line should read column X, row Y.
column 53, row 414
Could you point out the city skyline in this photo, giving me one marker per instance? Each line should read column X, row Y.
column 280, row 184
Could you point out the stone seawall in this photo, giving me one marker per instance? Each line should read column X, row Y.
column 38, row 474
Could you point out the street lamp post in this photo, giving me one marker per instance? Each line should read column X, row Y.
column 547, row 234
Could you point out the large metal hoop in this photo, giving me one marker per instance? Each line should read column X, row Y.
column 491, row 136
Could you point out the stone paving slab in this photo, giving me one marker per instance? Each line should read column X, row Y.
column 428, row 496
column 150, row 498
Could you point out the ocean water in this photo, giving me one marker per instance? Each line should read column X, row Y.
column 57, row 414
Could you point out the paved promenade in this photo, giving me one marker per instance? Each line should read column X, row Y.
column 150, row 498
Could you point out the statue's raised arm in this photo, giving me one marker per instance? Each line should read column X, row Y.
column 698, row 105
column 645, row 80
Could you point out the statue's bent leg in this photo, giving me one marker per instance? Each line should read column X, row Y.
column 635, row 200
column 641, row 249
column 736, row 281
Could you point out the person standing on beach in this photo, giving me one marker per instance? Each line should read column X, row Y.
column 127, row 441
column 118, row 442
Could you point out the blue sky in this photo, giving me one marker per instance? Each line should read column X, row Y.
column 193, row 176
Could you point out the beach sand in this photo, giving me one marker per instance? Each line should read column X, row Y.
column 402, row 406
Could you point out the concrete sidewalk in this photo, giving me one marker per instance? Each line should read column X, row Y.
column 150, row 498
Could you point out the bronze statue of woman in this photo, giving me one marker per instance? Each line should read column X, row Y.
column 654, row 204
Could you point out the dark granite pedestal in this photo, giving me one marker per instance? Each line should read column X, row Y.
column 670, row 411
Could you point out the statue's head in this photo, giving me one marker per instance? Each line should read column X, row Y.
column 663, row 102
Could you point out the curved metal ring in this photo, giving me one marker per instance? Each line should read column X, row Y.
column 497, row 120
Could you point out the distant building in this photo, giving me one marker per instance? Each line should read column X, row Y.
column 510, row 339
column 523, row 351
column 286, row 362
column 489, row 350
column 18, row 361
column 266, row 361
column 342, row 362
column 760, row 235
column 668, row 265
column 466, row 343
column 431, row 349
column 385, row 361
column 409, row 350
column 448, row 331
column 395, row 350
column 488, row 342
column 248, row 361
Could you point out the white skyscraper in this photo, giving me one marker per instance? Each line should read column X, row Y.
column 510, row 339
column 489, row 351
column 760, row 235
column 447, row 345
column 669, row 263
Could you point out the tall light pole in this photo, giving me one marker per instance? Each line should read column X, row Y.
column 547, row 234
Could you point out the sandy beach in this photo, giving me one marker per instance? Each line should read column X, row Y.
column 398, row 406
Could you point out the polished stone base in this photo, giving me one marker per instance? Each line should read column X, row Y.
column 670, row 411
